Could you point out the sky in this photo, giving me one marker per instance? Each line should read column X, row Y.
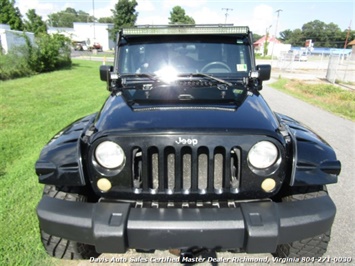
column 258, row 15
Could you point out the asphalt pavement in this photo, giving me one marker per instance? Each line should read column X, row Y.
column 340, row 134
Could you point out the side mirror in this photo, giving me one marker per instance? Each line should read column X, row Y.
column 105, row 72
column 264, row 72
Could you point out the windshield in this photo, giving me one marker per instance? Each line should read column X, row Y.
column 194, row 56
column 184, row 69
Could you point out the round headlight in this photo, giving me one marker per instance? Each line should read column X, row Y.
column 109, row 155
column 262, row 155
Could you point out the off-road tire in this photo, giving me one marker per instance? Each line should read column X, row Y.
column 62, row 248
column 310, row 247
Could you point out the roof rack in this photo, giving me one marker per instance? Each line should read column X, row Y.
column 181, row 25
column 185, row 29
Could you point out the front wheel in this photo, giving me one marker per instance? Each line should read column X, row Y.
column 310, row 247
column 62, row 248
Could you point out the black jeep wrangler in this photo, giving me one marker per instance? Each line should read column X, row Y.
column 185, row 153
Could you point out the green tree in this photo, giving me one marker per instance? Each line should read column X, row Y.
column 106, row 20
column 67, row 17
column 34, row 23
column 84, row 17
column 316, row 30
column 178, row 16
column 266, row 43
column 321, row 34
column 51, row 52
column 10, row 15
column 124, row 15
column 297, row 38
column 286, row 35
column 256, row 37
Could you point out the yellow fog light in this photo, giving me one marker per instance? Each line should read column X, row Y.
column 104, row 184
column 268, row 185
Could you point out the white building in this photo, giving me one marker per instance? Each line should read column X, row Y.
column 94, row 32
column 10, row 39
column 67, row 32
column 88, row 32
column 275, row 47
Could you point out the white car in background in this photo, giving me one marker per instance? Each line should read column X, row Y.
column 301, row 57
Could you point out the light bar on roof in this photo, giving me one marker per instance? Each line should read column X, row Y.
column 185, row 30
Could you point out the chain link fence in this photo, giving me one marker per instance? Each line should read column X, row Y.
column 94, row 55
column 341, row 69
column 286, row 61
column 335, row 67
column 290, row 62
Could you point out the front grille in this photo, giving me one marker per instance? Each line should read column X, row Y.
column 185, row 170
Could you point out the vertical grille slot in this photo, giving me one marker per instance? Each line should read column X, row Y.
column 178, row 170
column 235, row 170
column 170, row 168
column 202, row 169
column 186, row 170
column 153, row 168
column 218, row 172
column 194, row 170
column 137, row 169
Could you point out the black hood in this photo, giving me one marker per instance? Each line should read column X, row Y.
column 253, row 114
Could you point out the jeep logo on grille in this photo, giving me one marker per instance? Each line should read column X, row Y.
column 183, row 141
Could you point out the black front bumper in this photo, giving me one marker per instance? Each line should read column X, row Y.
column 256, row 227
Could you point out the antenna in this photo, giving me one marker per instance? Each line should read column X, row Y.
column 226, row 14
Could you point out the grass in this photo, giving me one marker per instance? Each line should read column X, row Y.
column 329, row 97
column 32, row 111
column 337, row 81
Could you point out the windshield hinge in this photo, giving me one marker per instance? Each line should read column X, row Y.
column 222, row 87
column 114, row 76
column 147, row 87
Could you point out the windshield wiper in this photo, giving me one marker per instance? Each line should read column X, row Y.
column 139, row 75
column 131, row 80
column 222, row 81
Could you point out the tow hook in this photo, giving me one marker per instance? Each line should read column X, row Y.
column 197, row 255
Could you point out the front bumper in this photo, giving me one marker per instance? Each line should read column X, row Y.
column 256, row 227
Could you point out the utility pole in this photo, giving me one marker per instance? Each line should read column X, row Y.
column 266, row 43
column 277, row 23
column 93, row 15
column 346, row 40
column 347, row 35
column 226, row 14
